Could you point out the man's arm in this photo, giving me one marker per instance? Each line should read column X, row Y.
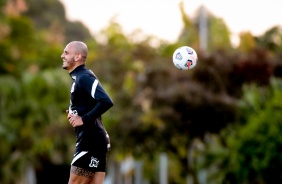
column 97, row 92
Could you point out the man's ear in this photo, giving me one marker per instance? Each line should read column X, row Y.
column 77, row 57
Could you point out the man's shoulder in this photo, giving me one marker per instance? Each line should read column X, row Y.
column 85, row 74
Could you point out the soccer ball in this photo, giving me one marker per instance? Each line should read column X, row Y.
column 184, row 58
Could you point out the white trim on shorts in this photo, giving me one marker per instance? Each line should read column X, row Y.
column 78, row 156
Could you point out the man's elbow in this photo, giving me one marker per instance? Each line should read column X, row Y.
column 109, row 103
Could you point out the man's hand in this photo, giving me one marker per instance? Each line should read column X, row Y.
column 74, row 119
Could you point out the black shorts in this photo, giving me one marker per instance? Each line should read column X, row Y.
column 90, row 161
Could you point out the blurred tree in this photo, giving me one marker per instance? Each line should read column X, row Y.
column 16, row 44
column 50, row 15
column 218, row 33
column 2, row 4
column 255, row 148
column 271, row 40
column 247, row 42
column 23, row 49
column 189, row 34
column 247, row 151
column 45, row 12
column 256, row 67
column 14, row 8
column 32, row 123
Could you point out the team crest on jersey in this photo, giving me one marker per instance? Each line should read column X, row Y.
column 94, row 162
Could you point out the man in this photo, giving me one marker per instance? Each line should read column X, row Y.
column 88, row 102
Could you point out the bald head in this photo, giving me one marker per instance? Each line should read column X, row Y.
column 79, row 48
column 74, row 55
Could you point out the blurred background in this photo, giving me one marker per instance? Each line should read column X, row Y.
column 219, row 123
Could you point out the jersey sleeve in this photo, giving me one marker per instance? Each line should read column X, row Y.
column 93, row 87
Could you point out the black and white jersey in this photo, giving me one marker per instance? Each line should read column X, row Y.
column 89, row 100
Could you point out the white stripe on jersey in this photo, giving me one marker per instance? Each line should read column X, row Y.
column 94, row 86
column 73, row 83
column 72, row 87
column 78, row 156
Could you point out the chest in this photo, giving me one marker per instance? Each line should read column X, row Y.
column 79, row 95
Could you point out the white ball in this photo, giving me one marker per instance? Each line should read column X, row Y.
column 185, row 58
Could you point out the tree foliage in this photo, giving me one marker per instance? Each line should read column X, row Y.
column 255, row 148
column 32, row 122
column 247, row 42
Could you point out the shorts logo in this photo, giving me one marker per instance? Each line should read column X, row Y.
column 94, row 162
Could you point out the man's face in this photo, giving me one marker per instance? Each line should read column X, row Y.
column 68, row 57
